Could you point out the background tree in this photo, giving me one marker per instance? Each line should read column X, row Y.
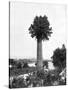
column 41, row 30
column 12, row 62
column 25, row 65
column 19, row 65
column 59, row 57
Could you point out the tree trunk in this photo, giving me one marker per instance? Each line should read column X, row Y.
column 39, row 55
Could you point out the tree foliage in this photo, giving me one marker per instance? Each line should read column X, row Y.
column 19, row 65
column 59, row 57
column 40, row 29
column 25, row 65
column 12, row 62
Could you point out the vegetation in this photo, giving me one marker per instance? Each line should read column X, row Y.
column 12, row 62
column 25, row 65
column 43, row 79
column 59, row 57
column 19, row 65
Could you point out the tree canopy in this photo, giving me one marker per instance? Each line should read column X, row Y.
column 59, row 57
column 40, row 29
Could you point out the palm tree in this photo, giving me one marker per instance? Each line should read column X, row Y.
column 41, row 30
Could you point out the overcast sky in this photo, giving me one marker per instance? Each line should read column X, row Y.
column 21, row 17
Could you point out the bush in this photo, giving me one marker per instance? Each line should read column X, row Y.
column 41, row 74
column 19, row 65
column 18, row 83
column 25, row 65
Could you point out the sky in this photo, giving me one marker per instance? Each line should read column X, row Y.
column 21, row 17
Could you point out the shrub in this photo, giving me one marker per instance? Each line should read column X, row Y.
column 18, row 83
column 19, row 65
column 25, row 65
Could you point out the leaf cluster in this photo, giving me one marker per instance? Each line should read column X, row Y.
column 40, row 29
